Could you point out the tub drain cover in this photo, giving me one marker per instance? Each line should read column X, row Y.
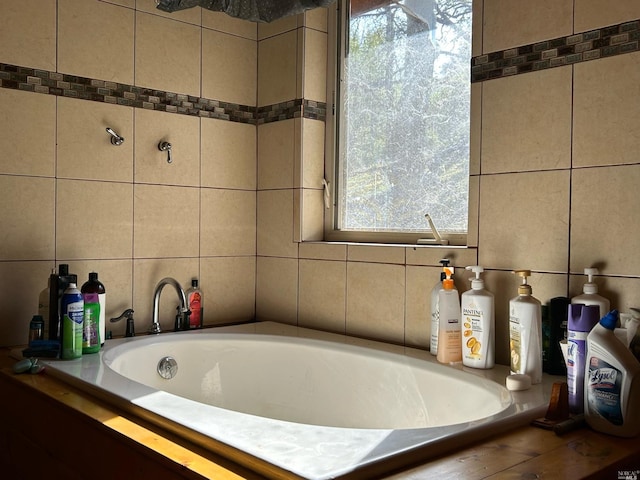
column 167, row 367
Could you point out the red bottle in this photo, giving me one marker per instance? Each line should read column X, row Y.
column 195, row 302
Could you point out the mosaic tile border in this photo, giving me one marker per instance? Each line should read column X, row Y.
column 83, row 88
column 581, row 47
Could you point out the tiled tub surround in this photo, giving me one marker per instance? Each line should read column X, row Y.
column 196, row 217
column 556, row 140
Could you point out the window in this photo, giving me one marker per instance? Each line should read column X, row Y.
column 398, row 132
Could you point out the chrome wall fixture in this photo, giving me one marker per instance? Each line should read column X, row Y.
column 115, row 138
column 166, row 147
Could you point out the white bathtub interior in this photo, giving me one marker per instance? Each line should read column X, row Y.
column 315, row 404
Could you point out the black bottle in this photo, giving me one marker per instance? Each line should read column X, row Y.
column 93, row 285
column 58, row 283
column 554, row 329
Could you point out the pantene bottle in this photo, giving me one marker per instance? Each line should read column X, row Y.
column 590, row 294
column 525, row 331
column 478, row 324
column 612, row 382
column 435, row 312
column 449, row 347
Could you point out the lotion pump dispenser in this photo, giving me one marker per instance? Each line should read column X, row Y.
column 525, row 331
column 449, row 346
column 590, row 293
column 478, row 323
column 435, row 310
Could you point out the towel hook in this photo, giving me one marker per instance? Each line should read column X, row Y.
column 115, row 138
column 166, row 147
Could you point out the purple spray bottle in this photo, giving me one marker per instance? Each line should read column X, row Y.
column 582, row 318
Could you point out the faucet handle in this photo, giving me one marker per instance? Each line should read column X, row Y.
column 127, row 313
column 182, row 319
column 130, row 329
column 166, row 147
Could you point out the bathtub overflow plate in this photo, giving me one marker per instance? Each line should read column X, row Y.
column 167, row 367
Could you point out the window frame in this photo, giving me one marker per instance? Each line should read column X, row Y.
column 337, row 31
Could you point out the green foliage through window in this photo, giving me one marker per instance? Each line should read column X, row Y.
column 404, row 95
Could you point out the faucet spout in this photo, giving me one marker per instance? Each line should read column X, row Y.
column 155, row 320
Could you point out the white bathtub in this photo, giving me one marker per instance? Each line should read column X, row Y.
column 313, row 404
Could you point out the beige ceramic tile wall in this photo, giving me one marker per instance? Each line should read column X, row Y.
column 70, row 196
column 550, row 158
column 95, row 39
column 28, row 127
column 590, row 14
column 225, row 58
column 29, row 33
column 510, row 23
column 536, row 200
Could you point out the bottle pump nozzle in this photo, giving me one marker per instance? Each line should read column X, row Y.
column 445, row 263
column 476, row 283
column 447, row 283
column 590, row 286
column 523, row 288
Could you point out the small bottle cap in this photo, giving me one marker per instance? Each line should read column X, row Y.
column 524, row 290
column 610, row 320
column 93, row 276
column 194, row 283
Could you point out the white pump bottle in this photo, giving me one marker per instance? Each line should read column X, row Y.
column 449, row 345
column 478, row 324
column 435, row 308
column 590, row 293
column 525, row 331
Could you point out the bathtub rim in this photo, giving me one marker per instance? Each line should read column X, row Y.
column 311, row 345
column 392, row 457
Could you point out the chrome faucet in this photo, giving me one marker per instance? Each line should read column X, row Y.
column 155, row 320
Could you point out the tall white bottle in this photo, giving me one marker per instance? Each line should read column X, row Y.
column 435, row 311
column 590, row 293
column 478, row 324
column 611, row 382
column 449, row 333
column 525, row 331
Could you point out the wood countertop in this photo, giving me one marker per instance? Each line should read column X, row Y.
column 524, row 453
